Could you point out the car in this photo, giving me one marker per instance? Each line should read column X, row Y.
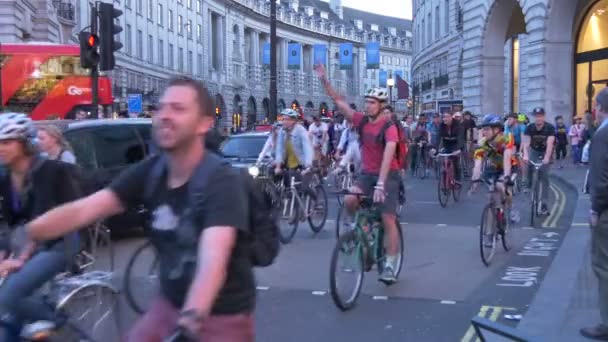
column 242, row 150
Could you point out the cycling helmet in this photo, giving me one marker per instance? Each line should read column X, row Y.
column 17, row 126
column 491, row 120
column 522, row 118
column 290, row 113
column 379, row 94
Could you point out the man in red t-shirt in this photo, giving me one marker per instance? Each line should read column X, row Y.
column 380, row 168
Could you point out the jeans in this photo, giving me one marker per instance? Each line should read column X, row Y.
column 17, row 293
column 576, row 154
column 543, row 175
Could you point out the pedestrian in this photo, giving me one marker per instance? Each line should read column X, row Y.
column 207, row 287
column 598, row 169
column 576, row 134
column 561, row 141
column 54, row 145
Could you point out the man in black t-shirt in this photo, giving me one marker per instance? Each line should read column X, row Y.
column 561, row 141
column 451, row 139
column 212, row 295
column 539, row 140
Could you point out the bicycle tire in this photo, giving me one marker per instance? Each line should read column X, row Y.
column 456, row 191
column 293, row 222
column 344, row 305
column 316, row 228
column 488, row 212
column 421, row 168
column 381, row 252
column 534, row 209
column 505, row 230
column 128, row 277
column 441, row 191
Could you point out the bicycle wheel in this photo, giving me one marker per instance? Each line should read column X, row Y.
column 456, row 191
column 318, row 210
column 505, row 229
column 487, row 234
column 343, row 222
column 421, row 167
column 91, row 309
column 349, row 246
column 290, row 217
column 140, row 281
column 535, row 205
column 381, row 252
column 443, row 192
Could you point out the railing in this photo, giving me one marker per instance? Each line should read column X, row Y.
column 442, row 80
column 65, row 10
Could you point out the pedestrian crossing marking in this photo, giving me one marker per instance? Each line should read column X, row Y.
column 494, row 313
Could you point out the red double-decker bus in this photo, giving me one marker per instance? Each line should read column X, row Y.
column 46, row 81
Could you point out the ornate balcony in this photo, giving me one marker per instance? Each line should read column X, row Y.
column 65, row 11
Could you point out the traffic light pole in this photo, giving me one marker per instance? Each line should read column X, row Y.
column 273, row 61
column 94, row 72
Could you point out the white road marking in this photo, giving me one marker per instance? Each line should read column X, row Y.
column 262, row 288
column 448, row 302
column 319, row 293
column 380, row 298
column 441, row 225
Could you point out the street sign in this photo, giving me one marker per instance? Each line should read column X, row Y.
column 134, row 103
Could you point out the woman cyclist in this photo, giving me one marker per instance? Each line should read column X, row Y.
column 30, row 186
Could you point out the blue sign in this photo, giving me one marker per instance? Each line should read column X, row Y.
column 135, row 103
column 266, row 54
column 294, row 52
column 346, row 56
column 320, row 54
column 372, row 55
column 382, row 78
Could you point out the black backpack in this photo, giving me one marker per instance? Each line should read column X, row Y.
column 264, row 230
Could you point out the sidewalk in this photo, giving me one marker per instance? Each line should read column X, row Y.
column 567, row 299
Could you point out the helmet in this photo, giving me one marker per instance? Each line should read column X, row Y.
column 491, row 120
column 538, row 111
column 521, row 117
column 17, row 126
column 379, row 94
column 290, row 113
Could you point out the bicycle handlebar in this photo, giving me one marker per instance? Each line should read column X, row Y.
column 445, row 155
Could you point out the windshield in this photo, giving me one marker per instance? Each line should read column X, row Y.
column 243, row 147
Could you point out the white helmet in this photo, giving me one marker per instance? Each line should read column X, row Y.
column 290, row 113
column 379, row 94
column 17, row 126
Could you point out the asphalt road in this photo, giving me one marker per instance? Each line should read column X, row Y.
column 443, row 283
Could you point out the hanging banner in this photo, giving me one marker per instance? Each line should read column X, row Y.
column 382, row 78
column 266, row 54
column 398, row 74
column 294, row 53
column 372, row 55
column 346, row 56
column 320, row 54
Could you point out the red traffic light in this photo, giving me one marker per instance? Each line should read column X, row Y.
column 92, row 40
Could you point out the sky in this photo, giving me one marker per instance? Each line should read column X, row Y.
column 393, row 8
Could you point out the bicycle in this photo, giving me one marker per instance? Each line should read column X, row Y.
column 365, row 244
column 447, row 181
column 421, row 167
column 344, row 181
column 495, row 219
column 138, row 286
column 537, row 189
column 297, row 205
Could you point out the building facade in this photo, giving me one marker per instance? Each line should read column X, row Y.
column 519, row 54
column 221, row 42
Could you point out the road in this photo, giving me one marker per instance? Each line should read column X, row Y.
column 442, row 286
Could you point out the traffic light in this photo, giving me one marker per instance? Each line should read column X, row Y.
column 294, row 106
column 89, row 57
column 217, row 112
column 107, row 29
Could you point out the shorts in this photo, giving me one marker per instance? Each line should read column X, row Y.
column 367, row 182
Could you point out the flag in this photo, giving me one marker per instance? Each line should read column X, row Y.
column 403, row 89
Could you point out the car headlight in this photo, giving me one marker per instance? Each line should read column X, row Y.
column 254, row 171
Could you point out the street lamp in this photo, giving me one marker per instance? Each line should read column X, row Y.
column 391, row 83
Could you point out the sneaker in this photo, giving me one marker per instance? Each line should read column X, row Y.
column 388, row 275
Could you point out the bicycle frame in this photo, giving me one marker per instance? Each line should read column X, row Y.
column 536, row 187
column 448, row 165
column 295, row 197
column 369, row 217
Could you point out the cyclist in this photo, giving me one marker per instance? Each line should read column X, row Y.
column 451, row 140
column 319, row 136
column 470, row 128
column 213, row 299
column 268, row 151
column 348, row 149
column 514, row 129
column 30, row 186
column 420, row 137
column 380, row 166
column 498, row 149
column 539, row 138
column 433, row 128
column 294, row 150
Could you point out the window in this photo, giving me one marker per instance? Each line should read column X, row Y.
column 127, row 5
column 84, row 148
column 199, row 6
column 140, row 44
column 117, row 146
column 390, row 60
column 423, row 36
column 171, row 60
column 190, row 63
column 398, row 61
column 161, row 52
column 128, row 38
column 437, row 23
column 140, row 6
column 189, row 3
column 150, row 9
column 150, row 49
column 170, row 19
column 429, row 34
column 180, row 59
column 199, row 33
column 446, row 18
column 160, row 15
column 189, row 28
column 180, row 29
column 199, row 60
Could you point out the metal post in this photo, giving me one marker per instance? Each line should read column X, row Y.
column 273, row 61
column 390, row 95
column 94, row 72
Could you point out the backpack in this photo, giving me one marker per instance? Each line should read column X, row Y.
column 402, row 145
column 264, row 231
